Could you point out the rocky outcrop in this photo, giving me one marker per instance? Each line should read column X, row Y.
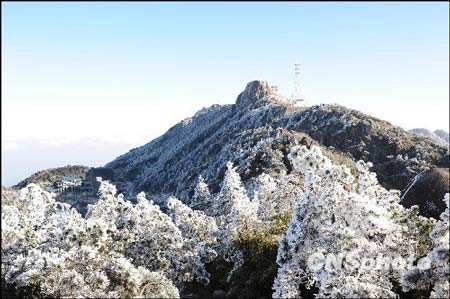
column 253, row 92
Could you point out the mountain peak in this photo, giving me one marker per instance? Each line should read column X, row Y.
column 254, row 91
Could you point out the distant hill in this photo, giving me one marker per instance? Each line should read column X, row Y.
column 437, row 135
column 46, row 178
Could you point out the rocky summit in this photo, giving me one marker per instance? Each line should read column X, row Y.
column 256, row 134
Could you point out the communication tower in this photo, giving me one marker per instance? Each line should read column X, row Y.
column 297, row 97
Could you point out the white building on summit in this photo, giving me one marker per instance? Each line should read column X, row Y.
column 297, row 98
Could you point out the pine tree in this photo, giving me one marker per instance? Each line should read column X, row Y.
column 234, row 213
column 199, row 237
column 202, row 198
column 275, row 197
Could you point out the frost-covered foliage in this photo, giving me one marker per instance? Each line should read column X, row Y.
column 199, row 237
column 49, row 245
column 121, row 249
column 275, row 195
column 142, row 232
column 338, row 227
column 433, row 271
column 202, row 198
column 117, row 250
column 233, row 209
column 234, row 213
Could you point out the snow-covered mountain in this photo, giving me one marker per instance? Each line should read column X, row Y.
column 256, row 134
column 244, row 231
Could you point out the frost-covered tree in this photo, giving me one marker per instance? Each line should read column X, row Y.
column 234, row 213
column 83, row 271
column 141, row 232
column 177, row 245
column 63, row 254
column 199, row 237
column 276, row 196
column 233, row 208
column 338, row 229
column 433, row 270
column 202, row 199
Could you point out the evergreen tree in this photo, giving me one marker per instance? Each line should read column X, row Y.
column 234, row 213
column 202, row 199
column 339, row 230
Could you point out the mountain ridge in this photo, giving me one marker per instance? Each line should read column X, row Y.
column 226, row 132
column 256, row 134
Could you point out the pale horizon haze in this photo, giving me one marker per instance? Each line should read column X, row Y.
column 83, row 83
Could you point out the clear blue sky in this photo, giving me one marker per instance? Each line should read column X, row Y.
column 85, row 82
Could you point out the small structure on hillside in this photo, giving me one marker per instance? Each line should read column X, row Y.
column 68, row 183
column 72, row 180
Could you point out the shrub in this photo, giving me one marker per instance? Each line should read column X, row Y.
column 255, row 277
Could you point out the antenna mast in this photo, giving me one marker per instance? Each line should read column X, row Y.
column 297, row 97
